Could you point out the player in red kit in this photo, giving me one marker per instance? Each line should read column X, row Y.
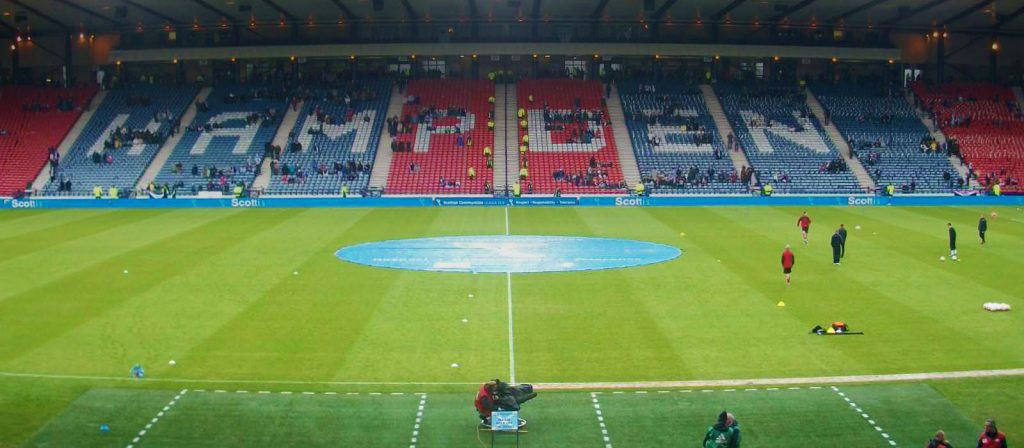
column 805, row 225
column 991, row 438
column 788, row 260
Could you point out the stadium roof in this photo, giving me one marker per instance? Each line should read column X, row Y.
column 100, row 16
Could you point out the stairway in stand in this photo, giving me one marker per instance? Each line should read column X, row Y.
column 168, row 147
column 73, row 134
column 739, row 158
column 865, row 180
column 506, row 147
column 936, row 133
column 627, row 157
column 382, row 161
column 291, row 116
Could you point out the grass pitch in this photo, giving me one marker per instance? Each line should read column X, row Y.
column 218, row 292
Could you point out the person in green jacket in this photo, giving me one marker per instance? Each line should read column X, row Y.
column 723, row 434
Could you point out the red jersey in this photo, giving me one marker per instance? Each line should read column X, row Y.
column 804, row 222
column 788, row 259
column 483, row 403
column 987, row 441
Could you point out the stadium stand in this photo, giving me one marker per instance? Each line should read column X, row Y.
column 337, row 134
column 130, row 126
column 428, row 158
column 570, row 145
column 677, row 144
column 784, row 142
column 32, row 121
column 985, row 126
column 888, row 137
column 227, row 141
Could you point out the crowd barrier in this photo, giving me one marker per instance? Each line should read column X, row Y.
column 583, row 201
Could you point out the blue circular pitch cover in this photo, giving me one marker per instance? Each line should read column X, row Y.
column 508, row 253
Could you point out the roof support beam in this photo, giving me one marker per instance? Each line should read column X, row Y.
column 345, row 10
column 967, row 12
column 152, row 12
column 791, row 10
column 599, row 9
column 914, row 12
column 857, row 10
column 660, row 12
column 409, row 10
column 535, row 18
column 282, row 11
column 39, row 13
column 1007, row 19
column 726, row 10
column 474, row 14
column 72, row 5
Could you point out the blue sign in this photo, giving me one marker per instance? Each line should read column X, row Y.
column 533, row 201
column 505, row 420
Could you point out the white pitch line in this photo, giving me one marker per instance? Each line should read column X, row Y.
column 507, row 227
column 511, row 333
column 142, row 433
column 853, row 406
column 511, row 323
column 889, row 378
column 419, row 421
column 600, row 420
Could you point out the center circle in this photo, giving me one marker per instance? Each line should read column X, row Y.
column 508, row 253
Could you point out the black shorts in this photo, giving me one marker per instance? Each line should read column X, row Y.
column 806, row 229
column 787, row 270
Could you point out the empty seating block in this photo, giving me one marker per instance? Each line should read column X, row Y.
column 782, row 139
column 138, row 108
column 986, row 123
column 431, row 161
column 676, row 117
column 580, row 148
column 332, row 136
column 873, row 121
column 227, row 139
column 31, row 124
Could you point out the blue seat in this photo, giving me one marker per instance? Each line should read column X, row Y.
column 781, row 137
column 130, row 160
column 236, row 149
column 872, row 120
column 352, row 141
column 678, row 150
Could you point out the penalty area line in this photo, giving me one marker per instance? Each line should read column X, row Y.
column 155, row 419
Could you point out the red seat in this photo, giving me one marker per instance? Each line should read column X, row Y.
column 546, row 157
column 992, row 141
column 440, row 156
column 24, row 150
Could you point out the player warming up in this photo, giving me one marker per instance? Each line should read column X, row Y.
column 788, row 260
column 952, row 241
column 804, row 223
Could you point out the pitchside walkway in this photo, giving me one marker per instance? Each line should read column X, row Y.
column 168, row 147
column 73, row 134
column 865, row 180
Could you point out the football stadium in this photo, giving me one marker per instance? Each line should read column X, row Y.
column 496, row 223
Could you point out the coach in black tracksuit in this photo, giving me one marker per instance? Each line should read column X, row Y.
column 837, row 244
column 842, row 247
column 982, row 228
